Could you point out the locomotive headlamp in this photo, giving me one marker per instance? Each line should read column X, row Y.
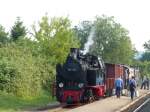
column 80, row 85
column 61, row 85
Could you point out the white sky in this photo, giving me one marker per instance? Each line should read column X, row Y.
column 132, row 14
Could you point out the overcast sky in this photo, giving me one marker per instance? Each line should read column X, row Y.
column 134, row 15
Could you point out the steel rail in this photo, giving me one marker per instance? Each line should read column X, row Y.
column 137, row 109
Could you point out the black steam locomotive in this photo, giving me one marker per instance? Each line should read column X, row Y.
column 80, row 79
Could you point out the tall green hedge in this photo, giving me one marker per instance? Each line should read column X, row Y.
column 22, row 72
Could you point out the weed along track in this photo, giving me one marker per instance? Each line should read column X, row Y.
column 58, row 107
column 62, row 108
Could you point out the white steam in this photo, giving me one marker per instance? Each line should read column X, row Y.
column 89, row 41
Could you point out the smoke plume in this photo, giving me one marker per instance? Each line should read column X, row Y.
column 89, row 41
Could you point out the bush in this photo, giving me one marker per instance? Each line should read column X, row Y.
column 7, row 75
column 23, row 73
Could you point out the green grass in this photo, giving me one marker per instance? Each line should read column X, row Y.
column 10, row 103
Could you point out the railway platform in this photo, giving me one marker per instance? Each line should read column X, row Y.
column 110, row 104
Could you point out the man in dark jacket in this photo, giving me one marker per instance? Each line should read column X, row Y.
column 132, row 87
column 147, row 82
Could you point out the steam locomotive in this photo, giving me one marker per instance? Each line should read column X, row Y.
column 80, row 78
column 85, row 78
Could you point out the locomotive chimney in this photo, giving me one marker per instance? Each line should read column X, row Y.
column 74, row 52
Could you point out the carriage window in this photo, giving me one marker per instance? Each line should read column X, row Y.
column 99, row 78
column 97, row 75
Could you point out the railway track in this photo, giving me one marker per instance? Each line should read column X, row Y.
column 63, row 108
column 59, row 108
column 53, row 108
column 144, row 107
column 45, row 108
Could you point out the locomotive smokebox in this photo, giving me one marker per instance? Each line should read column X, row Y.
column 74, row 52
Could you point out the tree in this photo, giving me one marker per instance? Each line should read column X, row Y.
column 111, row 41
column 147, row 46
column 144, row 61
column 23, row 72
column 55, row 37
column 146, row 54
column 18, row 30
column 82, row 31
column 144, row 68
column 3, row 35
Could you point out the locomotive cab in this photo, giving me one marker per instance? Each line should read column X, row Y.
column 96, row 77
column 96, row 71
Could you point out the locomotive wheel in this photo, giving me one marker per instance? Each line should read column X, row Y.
column 96, row 97
column 91, row 98
column 88, row 96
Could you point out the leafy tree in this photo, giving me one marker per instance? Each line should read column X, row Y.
column 55, row 37
column 3, row 35
column 145, row 56
column 111, row 41
column 18, row 30
column 144, row 61
column 23, row 72
column 144, row 68
column 82, row 31
column 147, row 45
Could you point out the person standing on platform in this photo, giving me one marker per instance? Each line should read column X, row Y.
column 118, row 86
column 143, row 83
column 147, row 81
column 132, row 87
